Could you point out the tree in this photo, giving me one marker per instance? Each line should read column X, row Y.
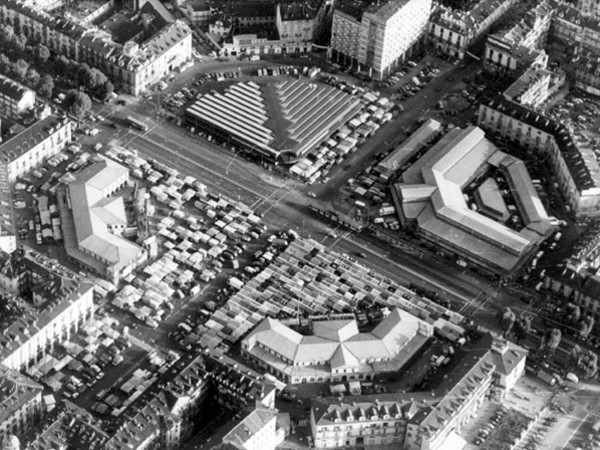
column 105, row 91
column 507, row 320
column 573, row 314
column 79, row 102
column 42, row 53
column 32, row 77
column 522, row 327
column 19, row 69
column 63, row 64
column 588, row 364
column 46, row 86
column 91, row 78
column 550, row 341
column 575, row 356
column 6, row 35
column 5, row 64
column 81, row 72
column 19, row 42
column 585, row 327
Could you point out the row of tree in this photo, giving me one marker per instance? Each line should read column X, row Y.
column 20, row 70
column 519, row 326
column 17, row 52
column 581, row 325
column 586, row 361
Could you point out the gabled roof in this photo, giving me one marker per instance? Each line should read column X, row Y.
column 336, row 343
column 461, row 156
column 94, row 213
column 252, row 424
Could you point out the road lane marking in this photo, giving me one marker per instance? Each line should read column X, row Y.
column 414, row 273
column 191, row 161
column 575, row 431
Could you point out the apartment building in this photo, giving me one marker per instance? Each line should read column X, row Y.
column 24, row 151
column 531, row 89
column 64, row 302
column 521, row 45
column 295, row 21
column 377, row 38
column 15, row 98
column 366, row 420
column 186, row 395
column 589, row 7
column 587, row 74
column 257, row 431
column 200, row 12
column 20, row 403
column 452, row 31
column 70, row 427
column 420, row 420
column 575, row 29
column 575, row 167
column 579, row 285
column 132, row 65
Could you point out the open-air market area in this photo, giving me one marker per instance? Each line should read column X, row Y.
column 299, row 224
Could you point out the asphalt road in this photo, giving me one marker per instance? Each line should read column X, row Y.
column 285, row 203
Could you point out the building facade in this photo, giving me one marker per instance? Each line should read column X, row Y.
column 587, row 74
column 368, row 421
column 257, row 431
column 378, row 39
column 589, row 7
column 520, row 46
column 336, row 351
column 295, row 22
column 578, row 285
column 20, row 403
column 15, row 98
column 531, row 89
column 452, row 32
column 132, row 66
column 575, row 168
column 66, row 304
column 26, row 150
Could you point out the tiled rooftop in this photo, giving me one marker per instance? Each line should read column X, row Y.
column 581, row 162
column 61, row 288
column 16, row 391
column 17, row 145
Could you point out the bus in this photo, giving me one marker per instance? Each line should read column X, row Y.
column 136, row 123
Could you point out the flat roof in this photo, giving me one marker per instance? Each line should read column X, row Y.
column 382, row 9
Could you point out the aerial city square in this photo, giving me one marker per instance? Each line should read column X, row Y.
column 299, row 224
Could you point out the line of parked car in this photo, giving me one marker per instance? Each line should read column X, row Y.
column 484, row 432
